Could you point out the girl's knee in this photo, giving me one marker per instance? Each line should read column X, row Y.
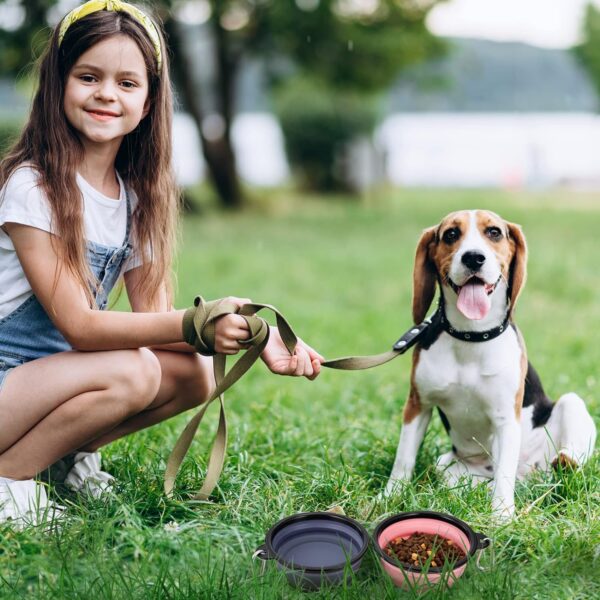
column 136, row 379
column 194, row 379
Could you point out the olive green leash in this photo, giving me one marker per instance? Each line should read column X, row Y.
column 199, row 331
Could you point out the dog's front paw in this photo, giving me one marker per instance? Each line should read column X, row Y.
column 394, row 487
column 502, row 510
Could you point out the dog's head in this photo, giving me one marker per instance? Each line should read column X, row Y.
column 470, row 252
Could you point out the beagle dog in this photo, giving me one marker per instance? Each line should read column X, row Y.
column 471, row 364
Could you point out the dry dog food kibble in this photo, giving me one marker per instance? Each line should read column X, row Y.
column 421, row 549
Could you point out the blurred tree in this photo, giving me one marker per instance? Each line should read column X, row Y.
column 319, row 123
column 23, row 32
column 213, row 122
column 588, row 51
column 351, row 44
column 344, row 52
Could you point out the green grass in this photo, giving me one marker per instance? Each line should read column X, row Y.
column 341, row 272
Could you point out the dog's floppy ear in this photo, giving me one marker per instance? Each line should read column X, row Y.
column 424, row 276
column 518, row 265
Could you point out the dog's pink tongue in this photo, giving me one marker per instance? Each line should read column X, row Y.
column 473, row 302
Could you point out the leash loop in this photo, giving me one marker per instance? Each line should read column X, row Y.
column 199, row 331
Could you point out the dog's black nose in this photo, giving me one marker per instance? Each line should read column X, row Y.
column 473, row 260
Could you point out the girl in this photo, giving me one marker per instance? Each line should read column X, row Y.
column 88, row 194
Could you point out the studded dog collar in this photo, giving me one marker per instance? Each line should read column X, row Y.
column 437, row 322
column 468, row 336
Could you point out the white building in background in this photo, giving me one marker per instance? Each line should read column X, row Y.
column 501, row 114
column 427, row 149
column 497, row 150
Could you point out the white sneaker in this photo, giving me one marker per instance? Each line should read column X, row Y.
column 25, row 503
column 85, row 475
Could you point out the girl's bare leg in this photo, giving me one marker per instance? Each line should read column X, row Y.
column 186, row 381
column 54, row 405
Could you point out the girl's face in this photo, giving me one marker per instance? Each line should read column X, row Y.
column 106, row 94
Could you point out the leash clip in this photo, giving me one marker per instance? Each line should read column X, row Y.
column 411, row 337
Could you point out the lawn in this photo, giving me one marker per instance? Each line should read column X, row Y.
column 341, row 272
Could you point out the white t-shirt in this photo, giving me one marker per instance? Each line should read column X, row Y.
column 23, row 201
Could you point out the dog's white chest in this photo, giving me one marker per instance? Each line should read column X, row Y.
column 463, row 377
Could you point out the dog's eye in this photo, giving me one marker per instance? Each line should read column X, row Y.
column 493, row 233
column 451, row 235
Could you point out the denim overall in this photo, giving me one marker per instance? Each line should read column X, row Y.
column 28, row 333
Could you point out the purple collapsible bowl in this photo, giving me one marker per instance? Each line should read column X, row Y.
column 315, row 549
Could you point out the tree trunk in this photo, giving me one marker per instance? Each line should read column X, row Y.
column 218, row 153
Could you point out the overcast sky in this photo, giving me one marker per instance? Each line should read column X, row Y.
column 551, row 23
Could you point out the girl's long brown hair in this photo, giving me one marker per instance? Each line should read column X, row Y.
column 51, row 145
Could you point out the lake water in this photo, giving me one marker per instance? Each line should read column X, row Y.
column 428, row 149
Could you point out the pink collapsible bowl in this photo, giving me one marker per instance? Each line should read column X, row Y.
column 444, row 525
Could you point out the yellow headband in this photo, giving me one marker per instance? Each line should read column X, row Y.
column 113, row 5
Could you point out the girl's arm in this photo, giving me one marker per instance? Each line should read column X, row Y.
column 65, row 303
column 159, row 304
column 307, row 361
column 229, row 327
column 87, row 330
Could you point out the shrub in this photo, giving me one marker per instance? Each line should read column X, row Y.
column 318, row 123
column 9, row 131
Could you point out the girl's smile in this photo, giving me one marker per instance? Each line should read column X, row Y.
column 106, row 92
column 101, row 115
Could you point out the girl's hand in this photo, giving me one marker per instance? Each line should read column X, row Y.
column 305, row 361
column 231, row 329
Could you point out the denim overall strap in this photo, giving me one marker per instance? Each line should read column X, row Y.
column 107, row 262
column 28, row 333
